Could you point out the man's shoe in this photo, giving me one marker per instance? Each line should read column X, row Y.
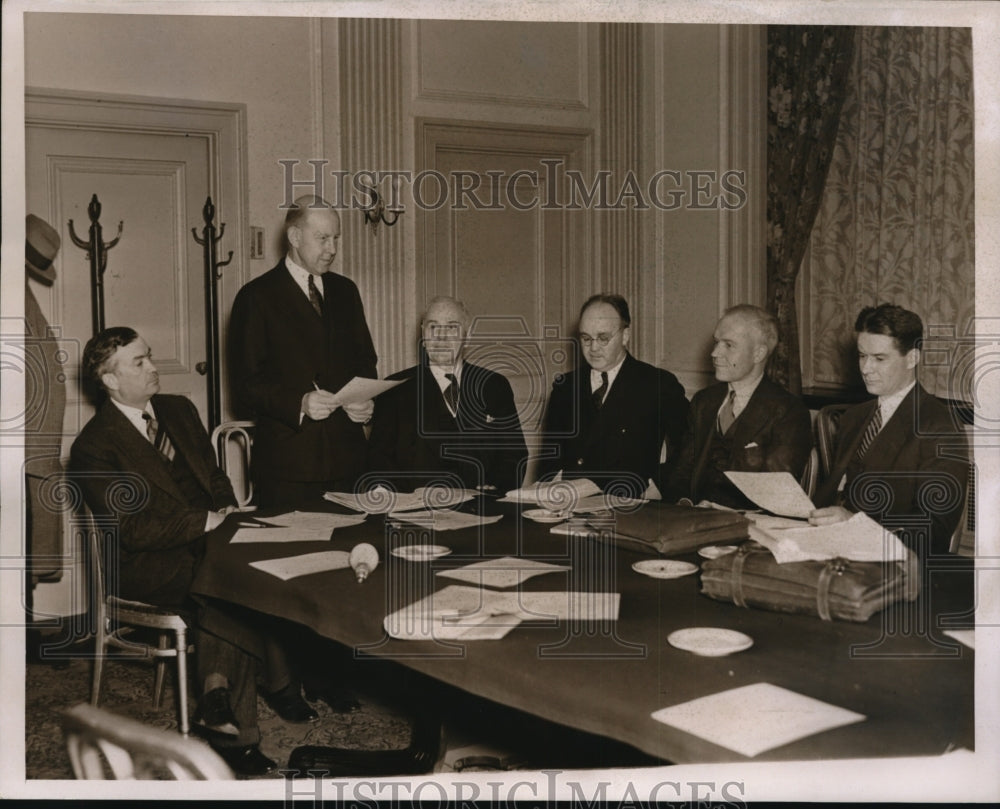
column 215, row 715
column 340, row 699
column 289, row 705
column 246, row 761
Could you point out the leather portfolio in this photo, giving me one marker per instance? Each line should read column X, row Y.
column 833, row 589
column 666, row 529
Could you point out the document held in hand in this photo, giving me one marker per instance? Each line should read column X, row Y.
column 361, row 389
column 777, row 492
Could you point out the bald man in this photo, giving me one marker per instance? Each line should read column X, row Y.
column 744, row 422
column 297, row 334
column 450, row 420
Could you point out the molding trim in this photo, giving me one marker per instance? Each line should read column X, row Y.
column 743, row 147
column 371, row 138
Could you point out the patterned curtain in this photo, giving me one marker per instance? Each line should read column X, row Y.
column 896, row 220
column 807, row 69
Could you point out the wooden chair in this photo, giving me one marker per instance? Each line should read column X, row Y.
column 810, row 474
column 105, row 746
column 827, row 421
column 238, row 434
column 115, row 617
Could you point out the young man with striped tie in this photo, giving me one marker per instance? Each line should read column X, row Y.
column 902, row 457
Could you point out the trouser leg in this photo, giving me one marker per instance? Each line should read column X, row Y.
column 217, row 655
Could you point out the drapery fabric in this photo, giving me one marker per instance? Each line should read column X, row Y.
column 807, row 68
column 896, row 223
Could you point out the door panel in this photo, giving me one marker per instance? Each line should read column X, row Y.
column 154, row 282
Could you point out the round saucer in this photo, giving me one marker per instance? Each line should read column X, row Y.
column 715, row 551
column 420, row 553
column 709, row 641
column 544, row 515
column 664, row 568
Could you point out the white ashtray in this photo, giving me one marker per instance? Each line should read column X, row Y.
column 709, row 641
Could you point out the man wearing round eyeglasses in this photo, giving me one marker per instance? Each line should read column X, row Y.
column 451, row 421
column 609, row 419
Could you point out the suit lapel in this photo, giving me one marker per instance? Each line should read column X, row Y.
column 755, row 416
column 894, row 433
column 705, row 433
column 127, row 440
column 176, row 426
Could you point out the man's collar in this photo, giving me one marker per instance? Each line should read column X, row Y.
column 299, row 273
column 745, row 387
column 130, row 411
column 895, row 398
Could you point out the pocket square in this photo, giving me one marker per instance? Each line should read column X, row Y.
column 489, row 419
column 751, row 445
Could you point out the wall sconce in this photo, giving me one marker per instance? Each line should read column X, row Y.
column 377, row 211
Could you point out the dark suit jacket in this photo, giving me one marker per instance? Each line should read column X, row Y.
column 124, row 478
column 618, row 445
column 777, row 422
column 279, row 347
column 414, row 432
column 915, row 471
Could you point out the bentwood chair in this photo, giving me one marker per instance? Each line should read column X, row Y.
column 233, row 442
column 116, row 617
column 105, row 746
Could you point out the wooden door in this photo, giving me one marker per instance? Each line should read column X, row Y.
column 521, row 265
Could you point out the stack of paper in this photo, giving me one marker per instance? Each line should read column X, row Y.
column 755, row 718
column 505, row 572
column 860, row 538
column 555, row 495
column 444, row 520
column 380, row 500
column 470, row 613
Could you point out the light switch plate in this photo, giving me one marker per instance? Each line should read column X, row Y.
column 256, row 242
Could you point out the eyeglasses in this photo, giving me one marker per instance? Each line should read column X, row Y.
column 442, row 331
column 601, row 339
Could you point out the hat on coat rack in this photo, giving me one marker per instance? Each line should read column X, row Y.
column 41, row 244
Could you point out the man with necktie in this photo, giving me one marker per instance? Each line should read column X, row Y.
column 608, row 419
column 902, row 457
column 742, row 423
column 145, row 463
column 450, row 420
column 297, row 334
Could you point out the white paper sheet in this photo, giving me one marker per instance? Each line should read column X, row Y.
column 507, row 571
column 380, row 500
column 860, row 538
column 444, row 520
column 361, row 389
column 458, row 612
column 313, row 519
column 778, row 492
column 555, row 495
column 247, row 535
column 290, row 567
column 967, row 637
column 755, row 718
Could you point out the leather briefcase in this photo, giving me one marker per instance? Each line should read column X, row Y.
column 833, row 589
column 666, row 529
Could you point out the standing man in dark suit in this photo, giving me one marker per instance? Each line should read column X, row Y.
column 297, row 333
column 900, row 457
column 608, row 420
column 744, row 422
column 144, row 461
column 448, row 415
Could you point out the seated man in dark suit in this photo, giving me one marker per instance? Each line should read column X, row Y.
column 608, row 419
column 448, row 416
column 744, row 422
column 900, row 458
column 145, row 462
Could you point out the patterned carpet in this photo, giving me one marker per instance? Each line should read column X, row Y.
column 127, row 687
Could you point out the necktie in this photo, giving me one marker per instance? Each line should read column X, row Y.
column 314, row 297
column 601, row 390
column 451, row 393
column 158, row 438
column 726, row 416
column 874, row 425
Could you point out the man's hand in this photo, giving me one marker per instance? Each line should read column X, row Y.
column 319, row 404
column 361, row 412
column 829, row 515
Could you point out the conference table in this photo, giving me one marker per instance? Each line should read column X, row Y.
column 911, row 682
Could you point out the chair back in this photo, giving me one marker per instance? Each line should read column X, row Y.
column 827, row 422
column 811, row 473
column 233, row 442
column 963, row 541
column 105, row 746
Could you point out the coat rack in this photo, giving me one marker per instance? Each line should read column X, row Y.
column 208, row 240
column 97, row 254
